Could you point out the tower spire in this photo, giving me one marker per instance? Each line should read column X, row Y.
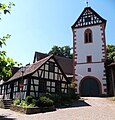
column 87, row 3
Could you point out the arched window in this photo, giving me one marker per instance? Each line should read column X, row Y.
column 88, row 36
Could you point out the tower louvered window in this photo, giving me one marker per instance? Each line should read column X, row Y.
column 88, row 36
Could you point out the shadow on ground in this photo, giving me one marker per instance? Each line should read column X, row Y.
column 6, row 118
column 77, row 103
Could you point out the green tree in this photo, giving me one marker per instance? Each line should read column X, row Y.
column 4, row 9
column 64, row 51
column 111, row 52
column 6, row 63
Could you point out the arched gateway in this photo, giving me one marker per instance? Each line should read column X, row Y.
column 90, row 86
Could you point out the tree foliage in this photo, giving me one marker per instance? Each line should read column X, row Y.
column 111, row 52
column 6, row 63
column 64, row 51
column 4, row 9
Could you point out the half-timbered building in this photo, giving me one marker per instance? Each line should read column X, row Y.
column 43, row 76
column 65, row 63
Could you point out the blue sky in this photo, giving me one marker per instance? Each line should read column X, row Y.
column 40, row 24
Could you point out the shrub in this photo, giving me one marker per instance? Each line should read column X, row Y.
column 31, row 106
column 28, row 102
column 48, row 95
column 56, row 98
column 45, row 102
column 65, row 97
column 34, row 102
column 29, row 99
column 78, row 97
column 16, row 101
column 23, row 103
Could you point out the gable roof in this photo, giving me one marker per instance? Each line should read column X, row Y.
column 39, row 56
column 30, row 68
column 88, row 17
column 65, row 63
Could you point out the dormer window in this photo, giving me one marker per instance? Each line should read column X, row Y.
column 88, row 36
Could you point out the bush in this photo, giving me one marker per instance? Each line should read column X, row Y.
column 56, row 98
column 45, row 102
column 23, row 103
column 29, row 99
column 48, row 95
column 34, row 102
column 28, row 102
column 65, row 97
column 59, row 99
column 77, row 97
column 16, row 101
column 31, row 106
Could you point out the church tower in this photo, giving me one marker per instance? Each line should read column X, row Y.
column 89, row 49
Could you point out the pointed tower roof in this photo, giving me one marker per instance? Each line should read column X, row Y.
column 88, row 17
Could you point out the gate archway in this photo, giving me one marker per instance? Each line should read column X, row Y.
column 90, row 86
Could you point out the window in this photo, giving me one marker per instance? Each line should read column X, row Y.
column 88, row 19
column 42, row 86
column 89, row 59
column 89, row 69
column 88, row 36
column 58, row 87
column 51, row 66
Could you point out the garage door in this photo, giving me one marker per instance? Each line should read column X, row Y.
column 89, row 87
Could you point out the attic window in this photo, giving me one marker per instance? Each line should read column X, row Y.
column 51, row 67
column 88, row 19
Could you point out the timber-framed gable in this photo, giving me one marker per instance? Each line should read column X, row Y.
column 88, row 18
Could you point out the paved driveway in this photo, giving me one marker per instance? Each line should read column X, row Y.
column 93, row 108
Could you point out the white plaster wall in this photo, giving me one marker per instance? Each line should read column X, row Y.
column 96, row 70
column 51, row 60
column 94, row 49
